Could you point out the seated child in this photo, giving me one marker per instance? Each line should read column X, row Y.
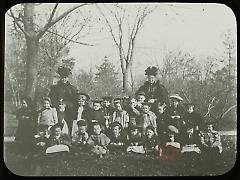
column 58, row 141
column 211, row 141
column 98, row 141
column 117, row 139
column 79, row 139
column 170, row 150
column 134, row 140
column 63, row 116
column 47, row 115
column 150, row 142
column 190, row 141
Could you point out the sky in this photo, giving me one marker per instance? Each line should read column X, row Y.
column 194, row 28
column 191, row 27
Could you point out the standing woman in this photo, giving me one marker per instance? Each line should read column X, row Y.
column 152, row 88
column 63, row 89
column 25, row 117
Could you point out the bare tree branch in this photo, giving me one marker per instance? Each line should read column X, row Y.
column 16, row 21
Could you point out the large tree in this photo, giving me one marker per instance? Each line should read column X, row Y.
column 25, row 20
column 124, row 22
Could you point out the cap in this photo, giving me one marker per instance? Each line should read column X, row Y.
column 114, row 124
column 141, row 93
column 56, row 126
column 84, row 95
column 172, row 129
column 176, row 96
column 82, row 123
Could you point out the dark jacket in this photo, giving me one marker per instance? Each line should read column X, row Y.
column 155, row 91
column 64, row 91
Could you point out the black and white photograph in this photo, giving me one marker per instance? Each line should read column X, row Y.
column 120, row 89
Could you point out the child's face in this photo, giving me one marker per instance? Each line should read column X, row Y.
column 24, row 104
column 134, row 132
column 190, row 109
column 132, row 102
column 145, row 109
column 62, row 107
column 209, row 127
column 96, row 106
column 149, row 133
column 174, row 102
column 46, row 104
column 106, row 103
column 97, row 129
column 161, row 108
column 64, row 79
column 58, row 131
column 81, row 102
column 42, row 132
column 141, row 98
column 118, row 106
column 82, row 129
column 116, row 130
column 190, row 130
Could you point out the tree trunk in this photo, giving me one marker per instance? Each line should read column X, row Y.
column 125, row 81
column 31, row 64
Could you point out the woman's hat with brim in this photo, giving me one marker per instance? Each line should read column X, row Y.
column 84, row 95
column 176, row 96
column 152, row 70
column 58, row 125
column 64, row 71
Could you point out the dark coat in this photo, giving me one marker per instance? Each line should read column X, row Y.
column 108, row 111
column 194, row 120
column 155, row 91
column 64, row 91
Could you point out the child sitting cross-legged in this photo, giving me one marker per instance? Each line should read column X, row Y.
column 118, row 139
column 98, row 141
column 58, row 141
column 150, row 142
column 134, row 140
column 79, row 139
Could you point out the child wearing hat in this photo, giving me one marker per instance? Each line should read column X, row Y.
column 150, row 141
column 107, row 109
column 47, row 115
column 134, row 141
column 147, row 118
column 117, row 139
column 58, row 141
column 98, row 141
column 97, row 113
column 140, row 97
column 79, row 140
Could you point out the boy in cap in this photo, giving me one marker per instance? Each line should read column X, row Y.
column 98, row 141
column 134, row 141
column 117, row 138
column 150, row 141
column 140, row 97
column 97, row 113
column 47, row 115
column 63, row 89
column 79, row 140
column 107, row 108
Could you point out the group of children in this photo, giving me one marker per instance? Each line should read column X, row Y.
column 131, row 125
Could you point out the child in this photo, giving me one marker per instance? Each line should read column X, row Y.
column 117, row 139
column 211, row 141
column 97, row 113
column 148, row 118
column 132, row 109
column 150, row 142
column 107, row 109
column 58, row 142
column 190, row 142
column 81, row 111
column 25, row 129
column 141, row 97
column 120, row 115
column 98, row 141
column 170, row 150
column 79, row 140
column 63, row 116
column 192, row 118
column 134, row 140
column 47, row 115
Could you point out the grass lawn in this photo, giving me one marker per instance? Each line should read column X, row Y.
column 124, row 165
